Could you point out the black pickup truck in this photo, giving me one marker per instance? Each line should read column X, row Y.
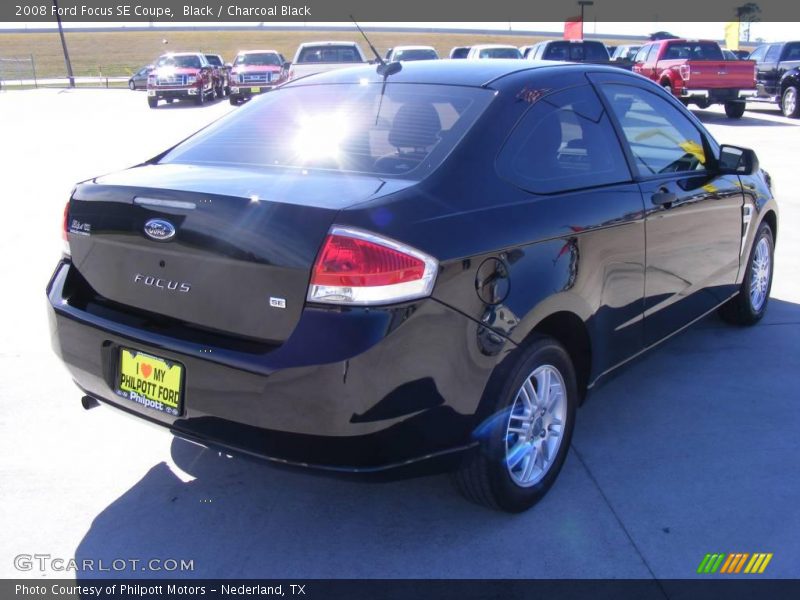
column 582, row 51
column 778, row 75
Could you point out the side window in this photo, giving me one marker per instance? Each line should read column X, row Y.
column 792, row 51
column 641, row 54
column 661, row 139
column 652, row 55
column 564, row 142
column 758, row 54
column 773, row 54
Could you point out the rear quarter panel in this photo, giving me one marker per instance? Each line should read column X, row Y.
column 580, row 252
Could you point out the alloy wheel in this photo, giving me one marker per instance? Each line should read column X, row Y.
column 535, row 426
column 760, row 274
column 789, row 102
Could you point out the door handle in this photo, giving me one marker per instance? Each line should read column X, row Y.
column 663, row 198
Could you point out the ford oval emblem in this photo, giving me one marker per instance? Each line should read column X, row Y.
column 159, row 230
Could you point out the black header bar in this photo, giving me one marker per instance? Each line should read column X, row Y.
column 321, row 11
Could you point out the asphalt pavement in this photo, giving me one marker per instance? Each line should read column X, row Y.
column 693, row 449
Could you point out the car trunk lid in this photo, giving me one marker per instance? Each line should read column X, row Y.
column 243, row 246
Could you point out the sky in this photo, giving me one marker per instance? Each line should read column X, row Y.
column 768, row 31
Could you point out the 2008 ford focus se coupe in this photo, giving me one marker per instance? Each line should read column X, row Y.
column 382, row 269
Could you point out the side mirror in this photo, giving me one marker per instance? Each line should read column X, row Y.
column 734, row 160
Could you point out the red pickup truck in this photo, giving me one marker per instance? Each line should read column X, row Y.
column 178, row 76
column 696, row 72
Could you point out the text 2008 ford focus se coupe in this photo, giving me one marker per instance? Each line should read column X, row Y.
column 363, row 273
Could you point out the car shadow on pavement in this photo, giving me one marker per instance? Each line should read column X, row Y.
column 750, row 119
column 660, row 472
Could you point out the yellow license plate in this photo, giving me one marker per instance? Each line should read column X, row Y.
column 255, row 90
column 153, row 382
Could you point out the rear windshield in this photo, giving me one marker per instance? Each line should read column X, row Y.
column 329, row 54
column 569, row 51
column 214, row 60
column 418, row 54
column 693, row 51
column 186, row 62
column 500, row 53
column 259, row 59
column 459, row 52
column 405, row 133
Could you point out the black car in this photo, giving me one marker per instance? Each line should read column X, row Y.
column 374, row 271
column 138, row 80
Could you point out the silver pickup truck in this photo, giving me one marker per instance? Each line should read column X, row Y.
column 316, row 57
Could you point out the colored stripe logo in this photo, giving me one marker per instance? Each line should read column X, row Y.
column 736, row 562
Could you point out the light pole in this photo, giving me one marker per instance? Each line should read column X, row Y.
column 583, row 4
column 64, row 46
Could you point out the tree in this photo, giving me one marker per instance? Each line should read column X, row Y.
column 748, row 14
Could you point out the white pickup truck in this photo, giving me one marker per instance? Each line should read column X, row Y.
column 316, row 57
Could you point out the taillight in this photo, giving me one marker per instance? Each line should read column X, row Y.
column 357, row 267
column 685, row 71
column 64, row 229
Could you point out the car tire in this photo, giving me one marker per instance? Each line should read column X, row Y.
column 750, row 304
column 152, row 102
column 667, row 87
column 735, row 109
column 131, row 85
column 233, row 100
column 502, row 472
column 790, row 107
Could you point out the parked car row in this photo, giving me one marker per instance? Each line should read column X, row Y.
column 697, row 72
column 200, row 77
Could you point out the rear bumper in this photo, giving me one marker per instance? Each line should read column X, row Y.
column 717, row 95
column 350, row 390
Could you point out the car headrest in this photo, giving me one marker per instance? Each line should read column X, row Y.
column 416, row 125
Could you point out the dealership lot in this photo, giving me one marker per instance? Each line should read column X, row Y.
column 691, row 450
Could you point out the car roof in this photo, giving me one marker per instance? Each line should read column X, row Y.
column 396, row 48
column 328, row 43
column 257, row 52
column 469, row 73
column 183, row 54
column 684, row 41
column 572, row 42
column 490, row 46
